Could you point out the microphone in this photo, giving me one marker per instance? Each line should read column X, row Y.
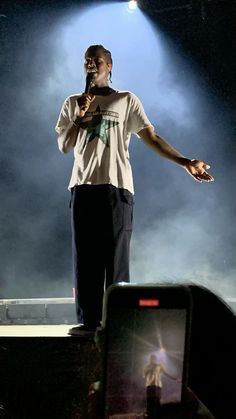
column 89, row 78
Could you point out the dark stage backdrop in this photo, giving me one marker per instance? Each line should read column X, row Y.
column 183, row 70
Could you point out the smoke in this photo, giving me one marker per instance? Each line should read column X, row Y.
column 181, row 249
column 184, row 231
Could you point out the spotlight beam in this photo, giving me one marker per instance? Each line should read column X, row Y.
column 133, row 4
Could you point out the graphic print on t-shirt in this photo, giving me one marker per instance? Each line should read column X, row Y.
column 97, row 126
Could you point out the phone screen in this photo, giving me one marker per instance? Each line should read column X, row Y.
column 144, row 358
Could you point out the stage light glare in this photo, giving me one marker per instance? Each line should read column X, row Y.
column 133, row 4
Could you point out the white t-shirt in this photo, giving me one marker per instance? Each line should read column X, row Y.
column 101, row 150
column 153, row 375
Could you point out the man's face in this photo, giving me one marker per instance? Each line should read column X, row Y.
column 96, row 63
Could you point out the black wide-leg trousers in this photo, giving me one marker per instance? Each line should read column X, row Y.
column 101, row 221
column 153, row 394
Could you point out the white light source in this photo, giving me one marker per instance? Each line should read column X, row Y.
column 133, row 4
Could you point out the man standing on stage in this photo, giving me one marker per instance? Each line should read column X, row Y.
column 153, row 373
column 97, row 126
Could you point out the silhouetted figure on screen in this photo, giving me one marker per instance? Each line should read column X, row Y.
column 153, row 373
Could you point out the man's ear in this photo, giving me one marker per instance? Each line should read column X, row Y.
column 109, row 66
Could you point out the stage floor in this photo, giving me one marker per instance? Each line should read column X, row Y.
column 58, row 330
column 46, row 373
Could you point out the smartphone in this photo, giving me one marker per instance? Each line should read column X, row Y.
column 147, row 332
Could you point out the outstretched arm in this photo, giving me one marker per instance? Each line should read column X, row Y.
column 196, row 168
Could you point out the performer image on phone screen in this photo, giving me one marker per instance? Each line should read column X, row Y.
column 153, row 373
column 145, row 360
column 97, row 126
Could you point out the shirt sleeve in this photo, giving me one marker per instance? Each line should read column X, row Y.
column 67, row 112
column 64, row 117
column 137, row 118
